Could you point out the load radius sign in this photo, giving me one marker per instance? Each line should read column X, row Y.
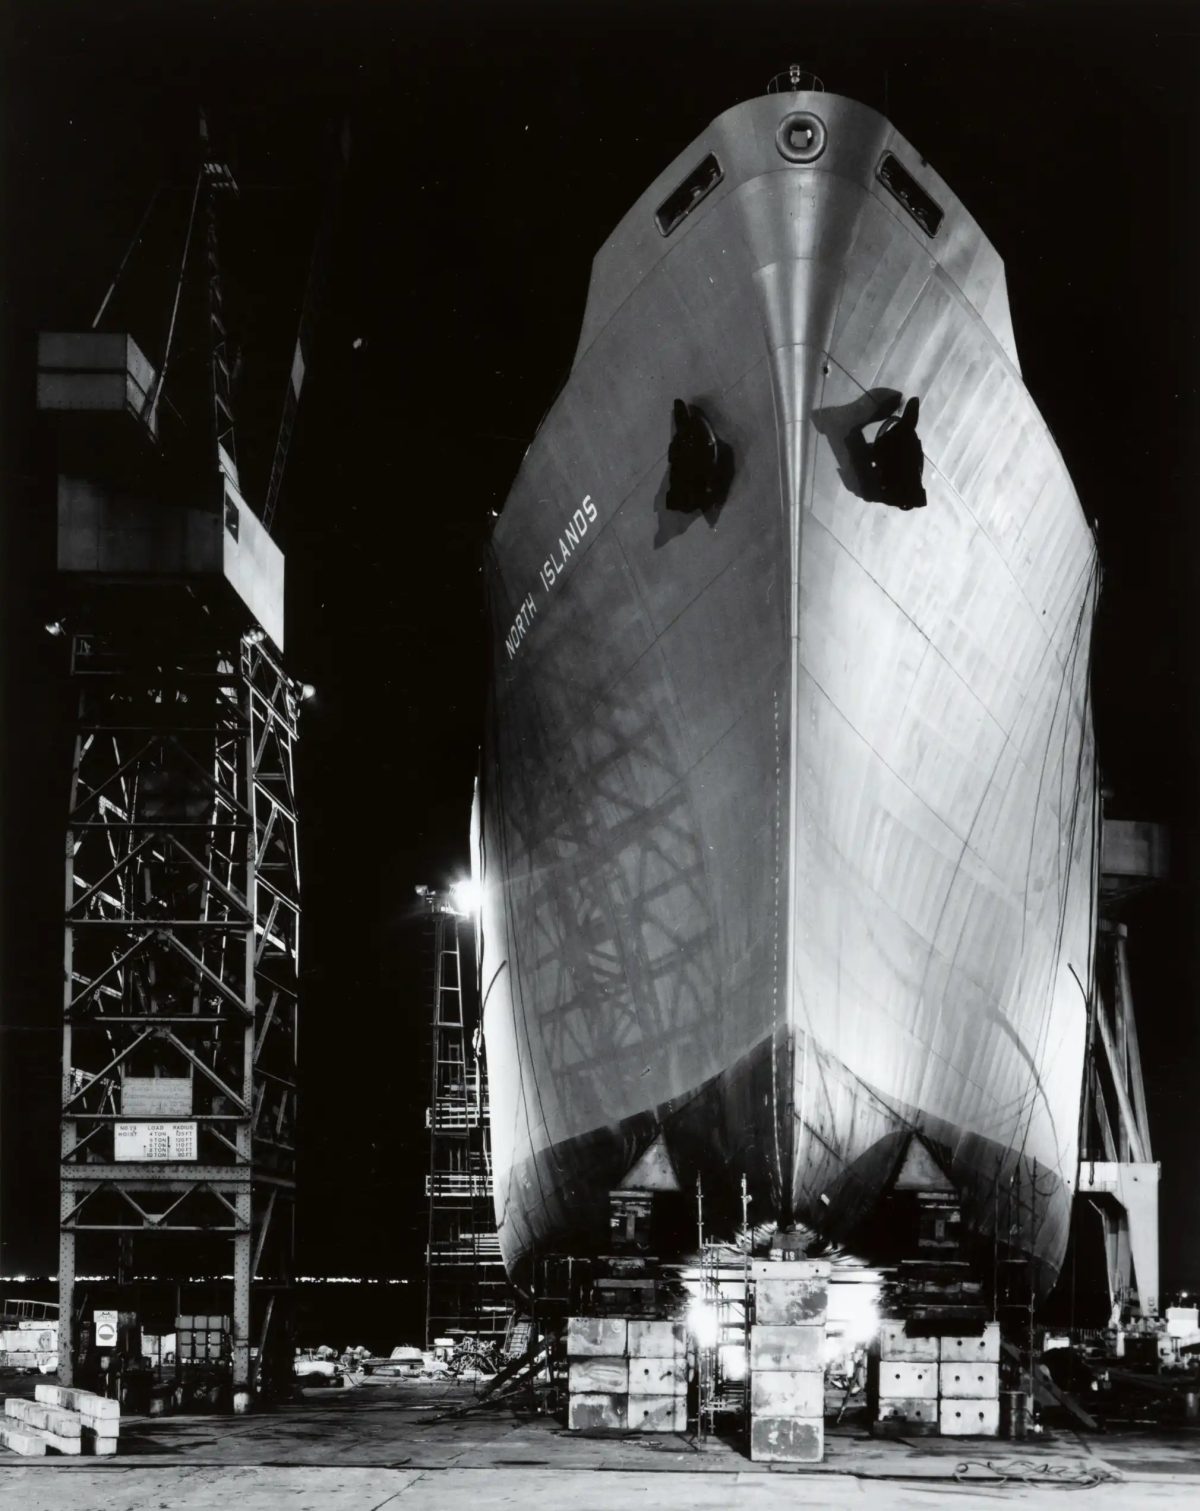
column 154, row 1141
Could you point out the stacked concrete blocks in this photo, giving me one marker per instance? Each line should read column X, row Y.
column 787, row 1360
column 657, row 1375
column 926, row 1386
column 626, row 1374
column 100, row 1418
column 969, row 1384
column 904, row 1381
column 60, row 1420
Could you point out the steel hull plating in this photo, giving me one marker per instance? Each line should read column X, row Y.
column 786, row 820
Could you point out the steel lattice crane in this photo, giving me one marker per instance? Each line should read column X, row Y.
column 182, row 887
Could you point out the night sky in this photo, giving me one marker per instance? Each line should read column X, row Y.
column 494, row 146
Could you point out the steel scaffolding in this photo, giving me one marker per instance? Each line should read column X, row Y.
column 466, row 1289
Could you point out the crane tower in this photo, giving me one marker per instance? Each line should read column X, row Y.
column 182, row 889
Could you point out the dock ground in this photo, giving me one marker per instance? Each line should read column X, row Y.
column 414, row 1447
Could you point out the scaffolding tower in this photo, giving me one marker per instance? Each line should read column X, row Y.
column 182, row 887
column 466, row 1289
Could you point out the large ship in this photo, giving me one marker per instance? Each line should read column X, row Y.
column 786, row 823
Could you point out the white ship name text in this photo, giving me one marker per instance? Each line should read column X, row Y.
column 521, row 626
column 568, row 541
column 550, row 571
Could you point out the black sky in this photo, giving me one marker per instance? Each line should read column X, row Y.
column 495, row 145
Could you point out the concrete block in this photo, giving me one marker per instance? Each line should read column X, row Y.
column 657, row 1340
column 54, row 1419
column 666, row 1413
column 787, row 1440
column 86, row 1402
column 68, row 1443
column 606, row 1337
column 788, row 1393
column 968, row 1419
column 598, row 1376
column 604, row 1412
column 787, row 1347
column 789, row 1269
column 984, row 1349
column 657, row 1377
column 97, row 1442
column 790, row 1303
column 907, row 1379
column 894, row 1343
column 974, row 1382
column 915, row 1410
column 27, row 1441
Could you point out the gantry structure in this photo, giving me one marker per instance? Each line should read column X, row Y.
column 1118, row 1174
column 180, row 1002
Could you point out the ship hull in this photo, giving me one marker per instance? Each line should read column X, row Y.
column 786, row 828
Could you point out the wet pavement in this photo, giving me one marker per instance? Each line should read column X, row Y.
column 422, row 1447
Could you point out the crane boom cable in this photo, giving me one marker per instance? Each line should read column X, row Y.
column 129, row 250
column 152, row 397
column 313, row 289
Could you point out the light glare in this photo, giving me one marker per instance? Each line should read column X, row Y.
column 466, row 897
column 702, row 1322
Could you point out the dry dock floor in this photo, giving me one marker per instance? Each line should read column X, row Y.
column 405, row 1448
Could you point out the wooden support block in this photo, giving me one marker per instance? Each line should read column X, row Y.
column 975, row 1382
column 968, row 1419
column 982, row 1349
column 907, row 1379
column 27, row 1441
column 593, row 1376
column 787, row 1347
column 606, row 1337
column 915, row 1411
column 657, row 1377
column 894, row 1343
column 790, row 1303
column 98, row 1443
column 657, row 1340
column 598, row 1412
column 787, row 1393
column 787, row 1440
